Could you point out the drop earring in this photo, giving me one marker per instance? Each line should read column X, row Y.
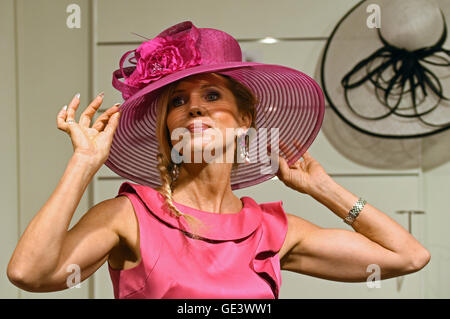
column 175, row 172
column 243, row 147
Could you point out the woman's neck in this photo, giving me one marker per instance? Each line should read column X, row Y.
column 204, row 189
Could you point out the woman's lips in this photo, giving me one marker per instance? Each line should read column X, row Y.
column 197, row 128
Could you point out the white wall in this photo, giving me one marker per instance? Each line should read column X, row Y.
column 50, row 66
column 8, row 145
column 437, row 191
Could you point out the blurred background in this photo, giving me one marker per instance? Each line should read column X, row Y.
column 46, row 58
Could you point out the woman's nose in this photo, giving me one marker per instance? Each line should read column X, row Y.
column 195, row 111
column 195, row 108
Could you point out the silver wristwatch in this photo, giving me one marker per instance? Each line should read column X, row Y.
column 354, row 212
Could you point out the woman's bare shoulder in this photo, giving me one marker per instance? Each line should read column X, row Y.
column 126, row 226
column 124, row 215
column 116, row 214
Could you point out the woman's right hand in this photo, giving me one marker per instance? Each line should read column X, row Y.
column 91, row 143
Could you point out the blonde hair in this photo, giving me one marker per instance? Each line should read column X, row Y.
column 246, row 102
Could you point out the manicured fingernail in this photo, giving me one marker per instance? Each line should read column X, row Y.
column 101, row 94
column 65, row 107
column 77, row 95
column 117, row 104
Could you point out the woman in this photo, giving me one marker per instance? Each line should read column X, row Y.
column 223, row 246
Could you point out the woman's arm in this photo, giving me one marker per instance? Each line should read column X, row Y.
column 343, row 255
column 339, row 254
column 46, row 248
column 372, row 223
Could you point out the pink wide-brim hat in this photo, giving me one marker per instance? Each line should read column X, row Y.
column 288, row 100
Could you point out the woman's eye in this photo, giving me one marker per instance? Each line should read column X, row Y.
column 176, row 100
column 211, row 96
column 215, row 94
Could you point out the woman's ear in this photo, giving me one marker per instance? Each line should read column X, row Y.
column 246, row 120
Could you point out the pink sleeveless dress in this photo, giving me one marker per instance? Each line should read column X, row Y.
column 237, row 258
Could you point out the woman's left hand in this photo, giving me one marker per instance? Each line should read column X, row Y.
column 303, row 176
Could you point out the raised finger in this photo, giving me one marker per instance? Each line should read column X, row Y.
column 112, row 124
column 86, row 116
column 285, row 149
column 283, row 167
column 297, row 144
column 103, row 119
column 306, row 155
column 72, row 107
column 299, row 147
column 61, row 119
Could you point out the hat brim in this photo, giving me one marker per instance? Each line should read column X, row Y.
column 289, row 100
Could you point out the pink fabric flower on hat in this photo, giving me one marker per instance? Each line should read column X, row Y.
column 161, row 56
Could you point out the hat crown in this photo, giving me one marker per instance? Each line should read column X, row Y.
column 215, row 46
column 411, row 24
column 179, row 47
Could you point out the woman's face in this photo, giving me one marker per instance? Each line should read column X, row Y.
column 204, row 99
